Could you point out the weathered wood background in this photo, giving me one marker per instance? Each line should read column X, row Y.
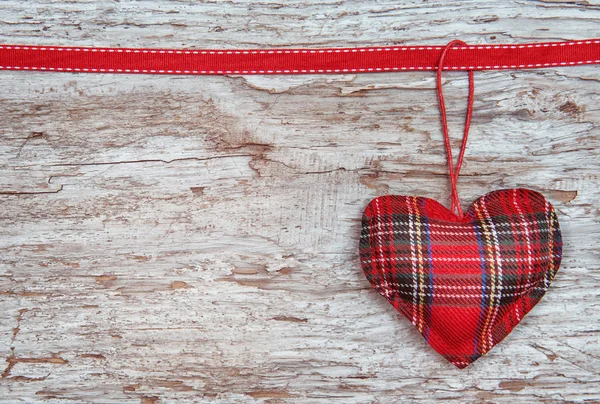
column 194, row 239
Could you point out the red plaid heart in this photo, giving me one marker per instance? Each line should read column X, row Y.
column 464, row 283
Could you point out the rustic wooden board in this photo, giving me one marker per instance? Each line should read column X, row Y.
column 194, row 239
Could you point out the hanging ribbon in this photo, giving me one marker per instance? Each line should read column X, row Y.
column 296, row 61
column 454, row 171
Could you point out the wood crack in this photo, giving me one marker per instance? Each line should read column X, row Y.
column 142, row 161
column 31, row 192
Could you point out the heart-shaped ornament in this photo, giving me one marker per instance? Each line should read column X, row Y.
column 464, row 282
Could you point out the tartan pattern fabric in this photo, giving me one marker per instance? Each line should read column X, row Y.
column 463, row 283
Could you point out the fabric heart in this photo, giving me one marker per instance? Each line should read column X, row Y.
column 465, row 283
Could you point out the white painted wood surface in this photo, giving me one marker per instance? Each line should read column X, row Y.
column 194, row 239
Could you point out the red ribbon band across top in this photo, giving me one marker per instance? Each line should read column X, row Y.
column 296, row 61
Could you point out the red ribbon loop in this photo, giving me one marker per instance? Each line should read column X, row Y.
column 454, row 171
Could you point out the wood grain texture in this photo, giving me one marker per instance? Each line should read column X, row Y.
column 194, row 239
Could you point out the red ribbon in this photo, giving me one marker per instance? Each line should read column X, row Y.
column 454, row 171
column 297, row 61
